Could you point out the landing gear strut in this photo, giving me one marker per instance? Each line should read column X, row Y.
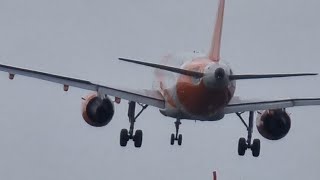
column 177, row 136
column 126, row 135
column 245, row 144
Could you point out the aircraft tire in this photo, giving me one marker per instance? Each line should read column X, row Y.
column 256, row 147
column 124, row 137
column 180, row 139
column 138, row 138
column 172, row 139
column 242, row 146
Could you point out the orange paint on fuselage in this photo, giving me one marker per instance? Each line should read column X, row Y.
column 195, row 97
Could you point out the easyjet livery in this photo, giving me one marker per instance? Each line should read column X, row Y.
column 198, row 87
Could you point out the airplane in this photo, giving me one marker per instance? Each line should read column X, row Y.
column 201, row 88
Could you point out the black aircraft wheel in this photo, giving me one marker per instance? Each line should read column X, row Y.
column 124, row 137
column 138, row 138
column 180, row 139
column 172, row 139
column 242, row 146
column 255, row 148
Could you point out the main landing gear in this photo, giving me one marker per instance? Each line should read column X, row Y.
column 126, row 135
column 245, row 144
column 177, row 136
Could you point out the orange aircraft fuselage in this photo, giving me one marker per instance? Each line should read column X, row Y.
column 188, row 97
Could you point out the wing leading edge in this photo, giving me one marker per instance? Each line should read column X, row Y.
column 149, row 97
column 238, row 105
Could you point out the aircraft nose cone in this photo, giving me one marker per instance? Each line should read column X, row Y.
column 219, row 74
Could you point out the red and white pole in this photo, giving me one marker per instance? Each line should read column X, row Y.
column 214, row 175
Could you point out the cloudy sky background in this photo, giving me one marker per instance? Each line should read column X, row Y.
column 43, row 136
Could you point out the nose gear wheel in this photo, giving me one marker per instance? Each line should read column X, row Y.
column 177, row 136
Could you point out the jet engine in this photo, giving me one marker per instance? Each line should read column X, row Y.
column 96, row 111
column 273, row 124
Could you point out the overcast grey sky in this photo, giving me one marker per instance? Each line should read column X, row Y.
column 43, row 136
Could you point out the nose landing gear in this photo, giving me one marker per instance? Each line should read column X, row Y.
column 177, row 136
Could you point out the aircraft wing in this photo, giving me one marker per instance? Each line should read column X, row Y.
column 240, row 105
column 149, row 97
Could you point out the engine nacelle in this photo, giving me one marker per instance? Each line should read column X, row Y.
column 273, row 124
column 97, row 112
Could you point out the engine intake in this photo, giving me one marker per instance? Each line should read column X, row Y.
column 273, row 124
column 97, row 112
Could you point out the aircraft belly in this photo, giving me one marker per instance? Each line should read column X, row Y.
column 177, row 111
column 180, row 114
